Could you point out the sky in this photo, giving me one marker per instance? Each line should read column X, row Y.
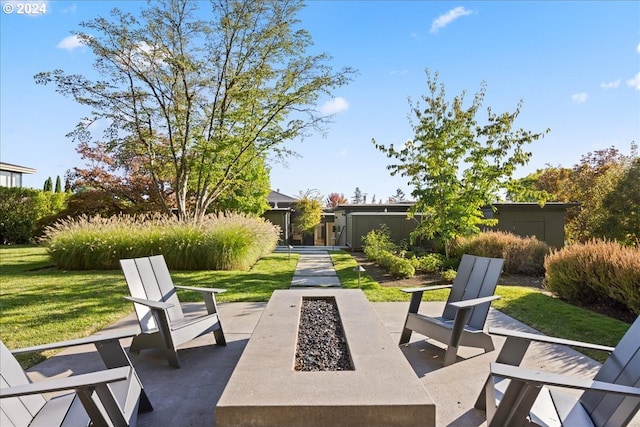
column 575, row 65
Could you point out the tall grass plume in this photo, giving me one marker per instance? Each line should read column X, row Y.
column 219, row 242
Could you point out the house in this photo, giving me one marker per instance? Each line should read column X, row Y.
column 282, row 206
column 353, row 222
column 346, row 224
column 283, row 213
column 11, row 175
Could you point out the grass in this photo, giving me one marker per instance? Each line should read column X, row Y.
column 545, row 313
column 39, row 303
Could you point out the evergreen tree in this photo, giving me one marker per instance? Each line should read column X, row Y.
column 48, row 185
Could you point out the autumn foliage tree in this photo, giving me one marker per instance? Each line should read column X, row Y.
column 193, row 94
column 335, row 199
column 604, row 193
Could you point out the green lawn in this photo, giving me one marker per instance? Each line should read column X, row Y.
column 39, row 303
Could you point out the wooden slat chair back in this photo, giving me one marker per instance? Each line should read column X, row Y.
column 112, row 396
column 465, row 313
column 137, row 289
column 623, row 368
column 166, row 287
column 513, row 395
column 477, row 277
column 163, row 323
column 16, row 411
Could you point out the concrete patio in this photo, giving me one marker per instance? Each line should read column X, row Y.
column 188, row 396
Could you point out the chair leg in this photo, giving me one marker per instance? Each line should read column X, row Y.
column 172, row 357
column 414, row 305
column 219, row 336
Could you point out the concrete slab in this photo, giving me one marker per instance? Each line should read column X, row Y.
column 315, row 281
column 265, row 390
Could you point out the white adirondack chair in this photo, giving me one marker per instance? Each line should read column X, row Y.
column 464, row 316
column 515, row 396
column 163, row 324
column 110, row 397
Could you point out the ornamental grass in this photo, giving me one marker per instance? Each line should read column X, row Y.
column 595, row 272
column 522, row 255
column 218, row 242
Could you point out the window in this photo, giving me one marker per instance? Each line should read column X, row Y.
column 10, row 179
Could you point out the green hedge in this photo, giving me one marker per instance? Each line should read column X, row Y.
column 233, row 242
column 22, row 211
column 596, row 271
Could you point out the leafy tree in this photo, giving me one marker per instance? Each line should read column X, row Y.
column 191, row 102
column 58, row 188
column 308, row 211
column 249, row 195
column 25, row 211
column 551, row 181
column 623, row 206
column 48, row 185
column 335, row 199
column 605, row 198
column 357, row 196
column 591, row 180
column 455, row 164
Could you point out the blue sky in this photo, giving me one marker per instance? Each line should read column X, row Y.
column 575, row 65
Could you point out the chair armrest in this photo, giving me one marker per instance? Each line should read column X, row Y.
column 93, row 339
column 75, row 382
column 558, row 380
column 549, row 340
column 475, row 301
column 203, row 290
column 157, row 305
column 426, row 288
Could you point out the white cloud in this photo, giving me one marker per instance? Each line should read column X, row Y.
column 580, row 98
column 70, row 43
column 634, row 82
column 610, row 85
column 398, row 72
column 334, row 106
column 444, row 20
column 638, row 48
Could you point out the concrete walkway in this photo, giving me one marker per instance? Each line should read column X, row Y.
column 188, row 396
column 315, row 269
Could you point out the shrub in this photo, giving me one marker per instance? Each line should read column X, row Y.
column 401, row 267
column 23, row 209
column 522, row 255
column 377, row 241
column 233, row 242
column 595, row 271
column 449, row 275
column 429, row 263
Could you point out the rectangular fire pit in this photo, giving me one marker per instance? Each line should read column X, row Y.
column 266, row 390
